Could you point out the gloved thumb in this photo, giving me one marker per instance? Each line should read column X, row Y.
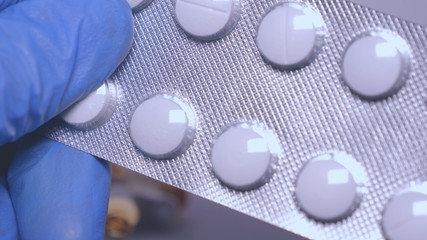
column 53, row 53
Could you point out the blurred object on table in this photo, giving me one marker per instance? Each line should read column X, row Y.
column 143, row 208
column 139, row 202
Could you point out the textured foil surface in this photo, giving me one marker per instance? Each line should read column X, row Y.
column 311, row 110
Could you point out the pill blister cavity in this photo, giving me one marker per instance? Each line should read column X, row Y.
column 290, row 35
column 94, row 110
column 243, row 156
column 138, row 5
column 163, row 126
column 376, row 64
column 405, row 215
column 207, row 19
column 329, row 187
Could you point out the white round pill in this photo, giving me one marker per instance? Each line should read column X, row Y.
column 137, row 5
column 328, row 186
column 94, row 110
column 163, row 126
column 376, row 64
column 405, row 215
column 243, row 156
column 207, row 19
column 290, row 35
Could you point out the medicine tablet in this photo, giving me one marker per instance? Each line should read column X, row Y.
column 207, row 19
column 94, row 110
column 376, row 64
column 290, row 35
column 243, row 156
column 163, row 126
column 137, row 5
column 327, row 186
column 405, row 215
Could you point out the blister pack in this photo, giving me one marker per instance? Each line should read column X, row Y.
column 309, row 115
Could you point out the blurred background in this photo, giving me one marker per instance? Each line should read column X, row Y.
column 144, row 208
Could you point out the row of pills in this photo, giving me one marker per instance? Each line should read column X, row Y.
column 328, row 188
column 289, row 36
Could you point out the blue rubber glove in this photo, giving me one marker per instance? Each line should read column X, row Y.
column 53, row 192
column 53, row 53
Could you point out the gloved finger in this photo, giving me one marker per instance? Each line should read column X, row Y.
column 6, row 3
column 8, row 228
column 54, row 52
column 58, row 192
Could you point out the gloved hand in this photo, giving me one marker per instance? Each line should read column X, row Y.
column 53, row 53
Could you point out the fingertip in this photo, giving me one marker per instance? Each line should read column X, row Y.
column 104, row 38
column 55, row 52
column 110, row 31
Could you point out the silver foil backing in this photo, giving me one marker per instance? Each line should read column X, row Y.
column 311, row 110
